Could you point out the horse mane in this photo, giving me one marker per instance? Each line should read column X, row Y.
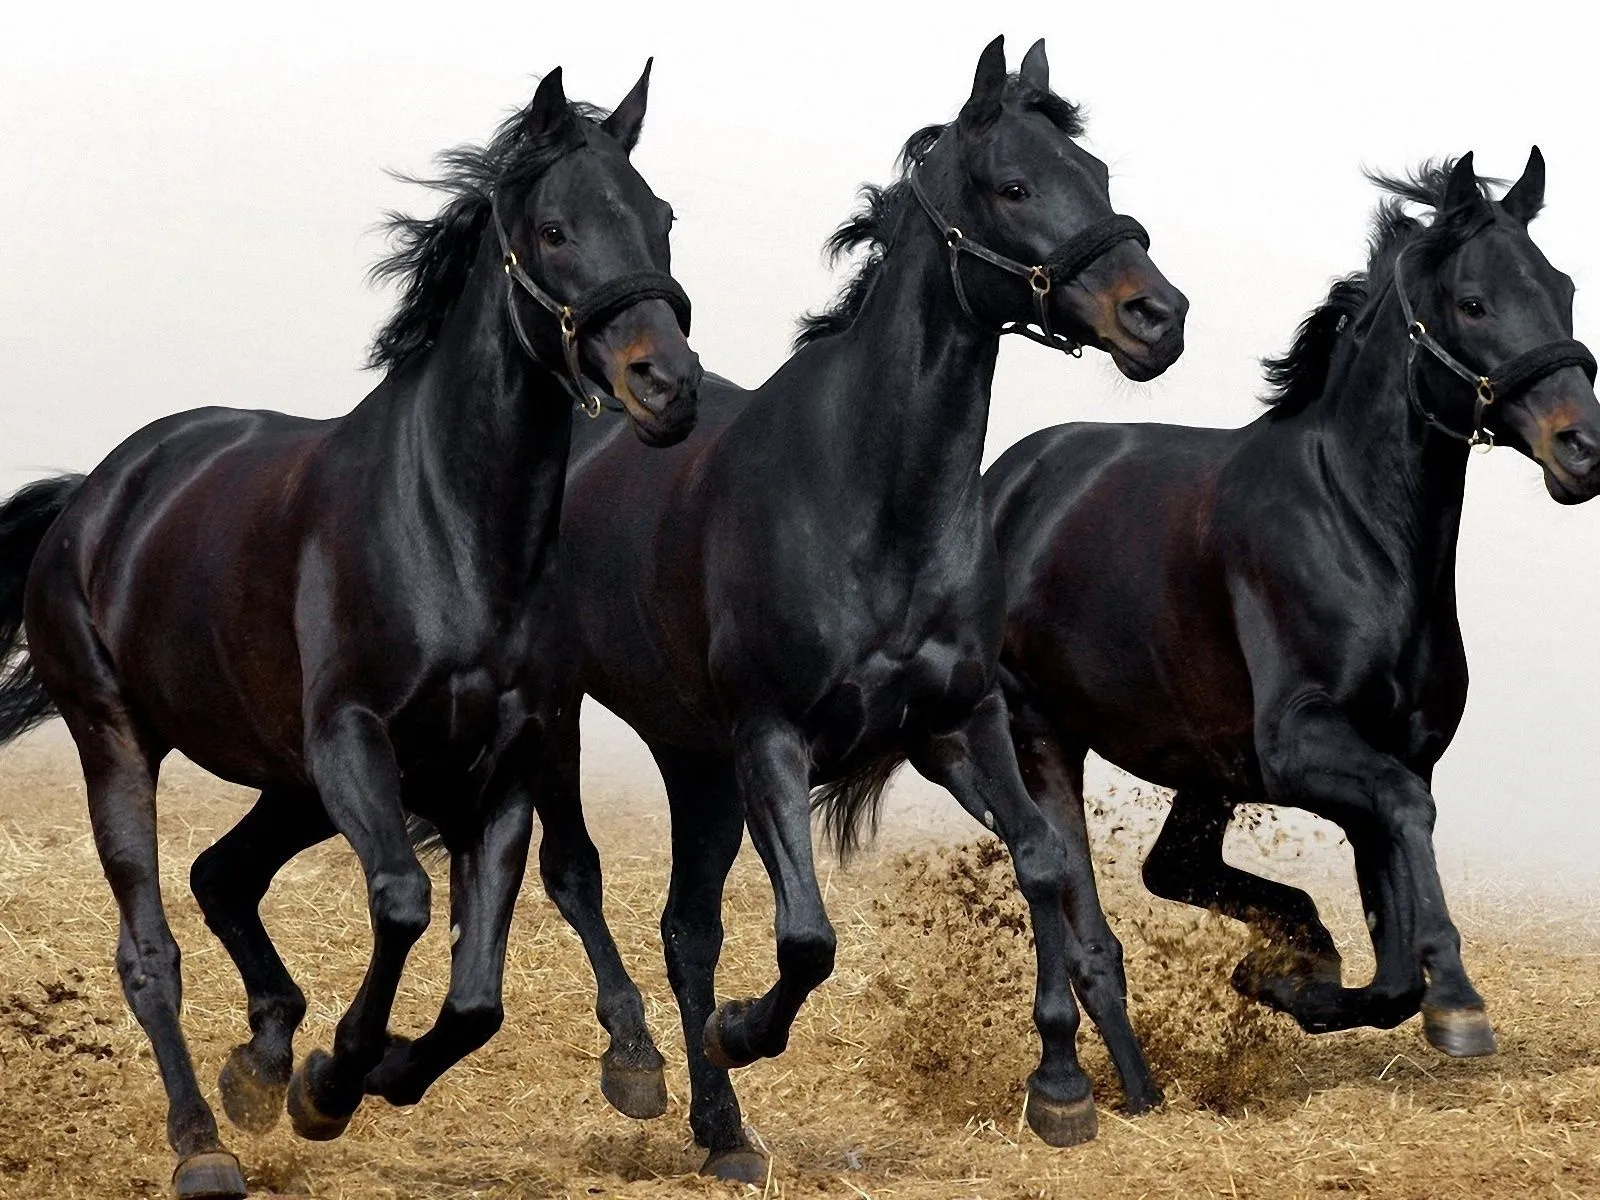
column 432, row 257
column 1299, row 376
column 872, row 225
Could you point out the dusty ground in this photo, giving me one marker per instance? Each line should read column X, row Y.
column 904, row 1076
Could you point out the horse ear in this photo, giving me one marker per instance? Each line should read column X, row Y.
column 548, row 109
column 627, row 120
column 1036, row 67
column 1462, row 189
column 1526, row 196
column 982, row 108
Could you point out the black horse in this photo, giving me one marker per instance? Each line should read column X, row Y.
column 809, row 592
column 1268, row 614
column 357, row 616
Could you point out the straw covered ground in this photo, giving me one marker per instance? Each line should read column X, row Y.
column 904, row 1077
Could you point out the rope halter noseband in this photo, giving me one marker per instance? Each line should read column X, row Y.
column 592, row 308
column 1504, row 382
column 1065, row 264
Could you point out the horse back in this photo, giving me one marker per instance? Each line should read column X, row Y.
column 1119, row 622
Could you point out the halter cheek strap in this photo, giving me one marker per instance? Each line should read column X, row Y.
column 1504, row 382
column 1066, row 263
column 593, row 307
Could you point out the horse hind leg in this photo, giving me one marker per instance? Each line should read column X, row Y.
column 121, row 779
column 707, row 828
column 1052, row 771
column 632, row 1072
column 229, row 881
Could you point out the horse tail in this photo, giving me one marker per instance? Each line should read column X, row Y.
column 24, row 520
column 850, row 804
column 426, row 840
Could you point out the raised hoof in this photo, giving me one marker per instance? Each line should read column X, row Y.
column 743, row 1165
column 214, row 1175
column 1458, row 1032
column 251, row 1102
column 1061, row 1122
column 1143, row 1102
column 637, row 1091
column 309, row 1121
column 715, row 1038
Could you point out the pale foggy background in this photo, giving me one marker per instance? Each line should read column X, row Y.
column 188, row 195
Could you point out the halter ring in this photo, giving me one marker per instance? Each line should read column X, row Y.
column 1039, row 280
column 953, row 236
column 1485, row 387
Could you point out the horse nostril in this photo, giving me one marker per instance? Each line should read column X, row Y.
column 1146, row 317
column 1579, row 449
column 649, row 385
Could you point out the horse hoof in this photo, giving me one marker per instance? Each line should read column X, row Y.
column 1458, row 1032
column 1139, row 1102
column 309, row 1121
column 714, row 1040
column 1061, row 1122
column 743, row 1165
column 214, row 1175
column 634, row 1091
column 251, row 1102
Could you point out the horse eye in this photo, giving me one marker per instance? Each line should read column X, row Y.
column 552, row 235
column 1472, row 307
column 1014, row 191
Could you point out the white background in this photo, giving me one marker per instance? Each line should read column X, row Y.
column 187, row 198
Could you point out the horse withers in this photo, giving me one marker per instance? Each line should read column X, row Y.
column 1268, row 614
column 356, row 616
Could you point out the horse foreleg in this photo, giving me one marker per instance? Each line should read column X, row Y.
column 1053, row 776
column 353, row 766
column 485, row 877
column 631, row 1069
column 229, row 881
column 772, row 769
column 978, row 765
column 1312, row 758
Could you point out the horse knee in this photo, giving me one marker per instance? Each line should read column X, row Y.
column 401, row 903
column 807, row 956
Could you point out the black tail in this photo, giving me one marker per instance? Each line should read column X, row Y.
column 24, row 520
column 850, row 803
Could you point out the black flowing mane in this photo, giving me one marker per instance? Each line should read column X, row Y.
column 1301, row 375
column 432, row 257
column 873, row 224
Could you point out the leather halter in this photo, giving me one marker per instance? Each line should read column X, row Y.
column 1504, row 382
column 1066, row 263
column 599, row 302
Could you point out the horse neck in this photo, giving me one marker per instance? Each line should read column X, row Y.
column 907, row 432
column 487, row 435
column 1404, row 478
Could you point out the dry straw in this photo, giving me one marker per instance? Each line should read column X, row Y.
column 903, row 1079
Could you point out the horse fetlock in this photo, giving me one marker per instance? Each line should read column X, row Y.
column 807, row 958
column 726, row 1039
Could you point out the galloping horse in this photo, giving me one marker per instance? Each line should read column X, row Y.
column 1268, row 614
column 357, row 616
column 809, row 591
